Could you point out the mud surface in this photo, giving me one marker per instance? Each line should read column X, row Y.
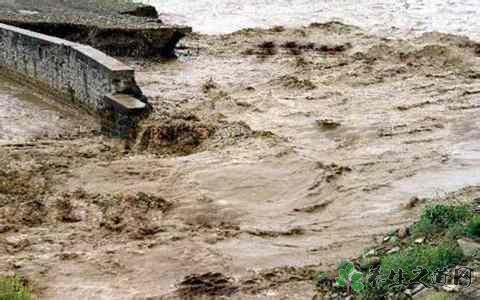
column 270, row 154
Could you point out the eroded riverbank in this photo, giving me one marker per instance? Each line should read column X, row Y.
column 270, row 154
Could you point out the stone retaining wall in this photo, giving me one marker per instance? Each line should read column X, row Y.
column 143, row 41
column 77, row 73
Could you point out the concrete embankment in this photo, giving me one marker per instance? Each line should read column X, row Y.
column 118, row 28
column 75, row 72
column 115, row 41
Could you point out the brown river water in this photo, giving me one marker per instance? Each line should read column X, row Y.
column 270, row 153
column 26, row 115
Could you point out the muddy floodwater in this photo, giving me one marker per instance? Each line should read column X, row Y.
column 26, row 115
column 270, row 154
column 379, row 16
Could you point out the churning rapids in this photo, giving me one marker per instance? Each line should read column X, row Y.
column 378, row 16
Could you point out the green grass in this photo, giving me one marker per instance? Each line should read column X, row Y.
column 409, row 260
column 445, row 223
column 439, row 217
column 13, row 288
column 472, row 229
column 455, row 232
column 442, row 225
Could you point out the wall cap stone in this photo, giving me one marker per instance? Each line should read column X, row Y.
column 98, row 56
column 125, row 103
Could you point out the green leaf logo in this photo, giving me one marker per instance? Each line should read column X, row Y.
column 356, row 276
column 341, row 282
column 358, row 286
column 350, row 278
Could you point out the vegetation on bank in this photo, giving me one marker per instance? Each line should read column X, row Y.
column 14, row 288
column 428, row 251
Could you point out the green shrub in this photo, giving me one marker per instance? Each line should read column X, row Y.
column 473, row 228
column 438, row 217
column 13, row 288
column 455, row 232
column 410, row 261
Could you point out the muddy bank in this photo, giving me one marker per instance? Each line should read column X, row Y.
column 117, row 28
column 270, row 154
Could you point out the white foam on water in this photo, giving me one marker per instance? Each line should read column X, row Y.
column 402, row 17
